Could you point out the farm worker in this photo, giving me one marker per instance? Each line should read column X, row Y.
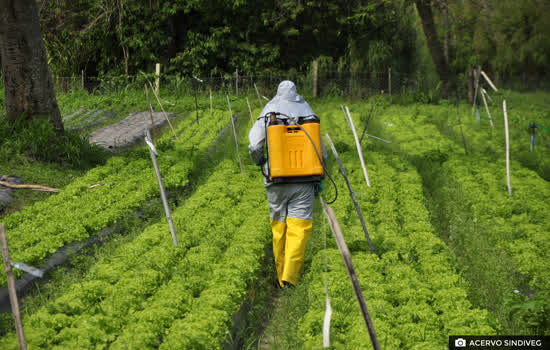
column 290, row 204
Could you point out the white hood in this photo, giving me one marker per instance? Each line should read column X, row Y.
column 287, row 101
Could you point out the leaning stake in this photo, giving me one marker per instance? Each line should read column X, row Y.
column 477, row 72
column 153, row 153
column 235, row 134
column 507, row 148
column 489, row 81
column 359, row 150
column 11, row 289
column 344, row 251
column 163, row 111
column 151, row 114
column 352, row 194
column 487, row 110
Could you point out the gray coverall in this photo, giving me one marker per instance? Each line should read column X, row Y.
column 290, row 205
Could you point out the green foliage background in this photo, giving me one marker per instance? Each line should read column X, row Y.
column 212, row 38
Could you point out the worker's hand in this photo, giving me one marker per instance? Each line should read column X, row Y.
column 317, row 189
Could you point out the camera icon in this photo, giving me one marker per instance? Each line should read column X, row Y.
column 460, row 343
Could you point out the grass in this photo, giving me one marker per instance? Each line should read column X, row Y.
column 34, row 172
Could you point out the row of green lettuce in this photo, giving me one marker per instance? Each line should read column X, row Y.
column 413, row 292
column 514, row 232
column 475, row 214
column 483, row 139
column 122, row 186
column 498, row 239
column 151, row 294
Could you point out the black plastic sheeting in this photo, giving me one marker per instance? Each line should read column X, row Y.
column 26, row 283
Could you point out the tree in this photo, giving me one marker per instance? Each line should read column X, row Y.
column 424, row 8
column 27, row 82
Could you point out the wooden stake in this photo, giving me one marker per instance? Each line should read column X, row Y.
column 157, row 78
column 352, row 194
column 487, row 110
column 315, row 76
column 82, row 79
column 476, row 77
column 344, row 251
column 151, row 114
column 489, row 81
column 357, row 144
column 257, row 93
column 11, row 289
column 153, row 153
column 235, row 134
column 163, row 111
column 507, row 148
column 250, row 110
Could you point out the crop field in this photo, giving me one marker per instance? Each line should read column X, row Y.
column 455, row 253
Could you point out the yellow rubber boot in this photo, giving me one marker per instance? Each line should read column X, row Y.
column 297, row 235
column 279, row 237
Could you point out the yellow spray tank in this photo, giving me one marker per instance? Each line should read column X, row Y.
column 292, row 155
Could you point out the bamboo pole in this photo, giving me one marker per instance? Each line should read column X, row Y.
column 258, row 93
column 151, row 114
column 163, row 111
column 507, row 148
column 487, row 110
column 476, row 77
column 235, row 134
column 489, row 81
column 357, row 144
column 11, row 289
column 315, row 76
column 157, row 78
column 344, row 251
column 357, row 208
column 153, row 153
column 250, row 110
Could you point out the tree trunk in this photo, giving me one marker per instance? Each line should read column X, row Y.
column 445, row 7
column 426, row 15
column 27, row 81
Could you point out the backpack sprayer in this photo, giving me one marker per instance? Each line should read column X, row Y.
column 293, row 146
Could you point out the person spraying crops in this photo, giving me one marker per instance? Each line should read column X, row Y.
column 289, row 131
